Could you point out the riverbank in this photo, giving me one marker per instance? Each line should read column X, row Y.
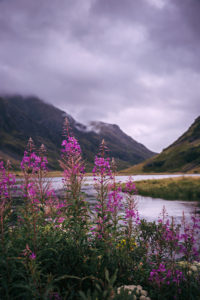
column 181, row 188
column 51, row 174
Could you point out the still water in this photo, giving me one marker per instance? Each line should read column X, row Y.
column 149, row 208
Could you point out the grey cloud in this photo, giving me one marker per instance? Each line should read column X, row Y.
column 134, row 63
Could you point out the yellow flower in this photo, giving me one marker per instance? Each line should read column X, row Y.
column 121, row 244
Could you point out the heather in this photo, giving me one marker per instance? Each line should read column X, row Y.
column 58, row 246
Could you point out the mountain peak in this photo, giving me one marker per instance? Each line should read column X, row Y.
column 99, row 126
column 22, row 117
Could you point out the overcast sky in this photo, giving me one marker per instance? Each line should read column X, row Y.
column 135, row 63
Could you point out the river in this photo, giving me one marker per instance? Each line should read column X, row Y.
column 149, row 208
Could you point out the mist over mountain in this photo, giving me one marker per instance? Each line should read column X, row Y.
column 24, row 117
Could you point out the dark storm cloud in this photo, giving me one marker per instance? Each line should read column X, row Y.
column 134, row 63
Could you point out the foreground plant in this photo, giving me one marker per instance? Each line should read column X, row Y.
column 115, row 202
column 131, row 213
column 75, row 211
column 59, row 249
column 102, row 174
column 7, row 184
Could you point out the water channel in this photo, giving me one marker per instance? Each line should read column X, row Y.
column 149, row 208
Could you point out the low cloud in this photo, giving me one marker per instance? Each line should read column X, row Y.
column 134, row 63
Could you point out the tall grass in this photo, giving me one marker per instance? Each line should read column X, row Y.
column 183, row 188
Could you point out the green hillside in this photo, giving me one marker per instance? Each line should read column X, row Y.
column 182, row 156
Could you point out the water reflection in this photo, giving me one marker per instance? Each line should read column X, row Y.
column 149, row 208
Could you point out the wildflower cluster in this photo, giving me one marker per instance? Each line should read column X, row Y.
column 189, row 268
column 71, row 146
column 102, row 175
column 165, row 276
column 189, row 238
column 33, row 162
column 136, row 291
column 101, row 168
column 115, row 199
column 124, row 243
column 72, row 164
column 131, row 212
column 7, row 184
column 7, row 181
column 60, row 248
column 74, row 207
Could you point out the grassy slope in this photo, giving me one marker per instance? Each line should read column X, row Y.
column 182, row 188
column 136, row 169
column 182, row 156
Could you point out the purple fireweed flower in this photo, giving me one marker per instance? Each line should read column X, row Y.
column 33, row 162
column 32, row 256
column 131, row 218
column 28, row 253
column 130, row 187
column 7, row 182
column 33, row 197
column 130, row 213
column 71, row 162
column 107, row 201
column 164, row 276
column 61, row 220
column 115, row 200
column 71, row 146
column 101, row 168
column 189, row 238
column 73, row 172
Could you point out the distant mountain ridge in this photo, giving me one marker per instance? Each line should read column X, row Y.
column 24, row 117
column 181, row 156
column 113, row 135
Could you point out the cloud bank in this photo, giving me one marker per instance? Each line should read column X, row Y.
column 133, row 63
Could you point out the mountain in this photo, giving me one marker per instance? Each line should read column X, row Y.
column 24, row 117
column 182, row 156
column 121, row 145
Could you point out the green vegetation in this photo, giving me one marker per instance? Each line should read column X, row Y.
column 182, row 188
column 182, row 156
column 58, row 246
